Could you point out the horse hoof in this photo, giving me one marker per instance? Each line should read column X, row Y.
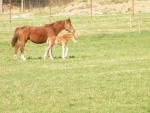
column 15, row 58
column 23, row 59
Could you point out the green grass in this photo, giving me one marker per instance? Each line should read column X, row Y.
column 104, row 72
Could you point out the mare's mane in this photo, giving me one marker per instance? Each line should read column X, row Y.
column 51, row 24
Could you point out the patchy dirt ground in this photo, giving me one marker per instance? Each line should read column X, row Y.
column 76, row 8
column 83, row 8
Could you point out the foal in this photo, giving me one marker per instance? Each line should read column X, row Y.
column 61, row 40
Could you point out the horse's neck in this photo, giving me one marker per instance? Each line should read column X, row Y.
column 58, row 27
column 62, row 38
column 67, row 37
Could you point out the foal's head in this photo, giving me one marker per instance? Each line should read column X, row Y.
column 68, row 26
column 73, row 38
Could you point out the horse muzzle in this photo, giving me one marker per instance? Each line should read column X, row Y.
column 72, row 31
column 75, row 41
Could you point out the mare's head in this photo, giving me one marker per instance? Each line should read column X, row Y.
column 68, row 26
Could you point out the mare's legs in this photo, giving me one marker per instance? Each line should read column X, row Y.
column 50, row 53
column 47, row 56
column 16, row 49
column 22, row 51
column 20, row 45
column 49, row 46
column 46, row 52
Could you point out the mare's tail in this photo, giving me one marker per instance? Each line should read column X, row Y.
column 15, row 38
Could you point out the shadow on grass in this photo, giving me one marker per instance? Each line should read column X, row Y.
column 37, row 58
column 70, row 57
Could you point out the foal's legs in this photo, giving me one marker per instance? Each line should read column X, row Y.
column 63, row 49
column 50, row 53
column 66, row 52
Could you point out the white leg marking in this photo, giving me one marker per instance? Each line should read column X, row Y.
column 50, row 53
column 15, row 57
column 45, row 55
column 63, row 49
column 46, row 51
column 66, row 51
column 22, row 57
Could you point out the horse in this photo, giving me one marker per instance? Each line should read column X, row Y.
column 38, row 34
column 61, row 40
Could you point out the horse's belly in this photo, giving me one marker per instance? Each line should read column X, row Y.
column 39, row 34
column 38, row 39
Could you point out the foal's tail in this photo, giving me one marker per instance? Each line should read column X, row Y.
column 15, row 38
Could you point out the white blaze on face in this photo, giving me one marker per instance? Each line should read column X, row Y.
column 74, row 40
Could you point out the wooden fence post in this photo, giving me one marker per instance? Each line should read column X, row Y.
column 10, row 6
column 22, row 5
column 50, row 5
column 132, row 8
column 1, row 6
column 91, row 9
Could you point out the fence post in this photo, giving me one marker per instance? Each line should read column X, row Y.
column 1, row 6
column 10, row 6
column 132, row 8
column 91, row 9
column 22, row 5
column 50, row 5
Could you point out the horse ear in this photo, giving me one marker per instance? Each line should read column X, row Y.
column 69, row 19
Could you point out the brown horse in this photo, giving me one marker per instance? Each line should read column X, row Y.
column 38, row 35
column 61, row 40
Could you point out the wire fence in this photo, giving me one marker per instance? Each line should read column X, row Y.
column 103, row 23
column 29, row 5
column 100, row 24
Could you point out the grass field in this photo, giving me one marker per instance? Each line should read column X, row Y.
column 107, row 71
